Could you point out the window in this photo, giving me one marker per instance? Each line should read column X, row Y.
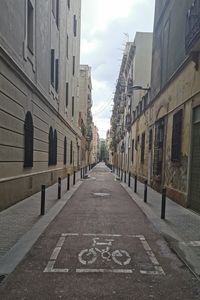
column 71, row 152
column 28, row 140
column 142, row 148
column 30, row 26
column 67, row 94
column 132, row 156
column 68, row 3
column 72, row 106
column 150, row 139
column 53, row 8
column 73, row 67
column 75, row 25
column 55, row 147
column 57, row 13
column 50, row 162
column 65, row 150
column 52, row 147
column 52, row 66
column 67, row 47
column 176, row 136
column 56, row 75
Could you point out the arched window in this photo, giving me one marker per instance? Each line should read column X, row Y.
column 71, row 152
column 28, row 140
column 55, row 147
column 50, row 146
column 65, row 150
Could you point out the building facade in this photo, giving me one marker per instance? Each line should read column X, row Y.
column 167, row 127
column 39, row 96
column 85, row 113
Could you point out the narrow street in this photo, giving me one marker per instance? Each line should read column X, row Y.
column 101, row 246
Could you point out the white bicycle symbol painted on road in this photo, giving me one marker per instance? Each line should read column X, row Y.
column 89, row 256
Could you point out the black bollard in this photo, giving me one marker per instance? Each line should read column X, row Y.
column 135, row 185
column 145, row 191
column 163, row 204
column 121, row 175
column 74, row 180
column 59, row 187
column 42, row 209
column 129, row 179
column 68, row 182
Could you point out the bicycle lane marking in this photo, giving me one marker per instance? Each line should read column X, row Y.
column 105, row 254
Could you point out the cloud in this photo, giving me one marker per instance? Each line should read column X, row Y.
column 106, row 27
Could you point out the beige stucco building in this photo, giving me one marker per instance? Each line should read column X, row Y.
column 39, row 96
column 85, row 114
column 166, row 125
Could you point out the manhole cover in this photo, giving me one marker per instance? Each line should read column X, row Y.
column 101, row 194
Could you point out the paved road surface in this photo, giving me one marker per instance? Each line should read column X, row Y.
column 101, row 246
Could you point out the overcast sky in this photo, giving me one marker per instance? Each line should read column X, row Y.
column 106, row 26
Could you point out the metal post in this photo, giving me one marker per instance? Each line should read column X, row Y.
column 125, row 176
column 121, row 175
column 42, row 209
column 163, row 204
column 145, row 191
column 59, row 187
column 68, row 182
column 135, row 185
column 74, row 180
column 129, row 179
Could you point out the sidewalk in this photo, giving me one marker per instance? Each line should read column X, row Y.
column 181, row 227
column 21, row 224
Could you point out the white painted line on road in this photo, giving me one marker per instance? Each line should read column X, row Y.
column 55, row 253
column 60, row 241
column 70, row 234
column 125, row 271
column 153, row 259
column 101, row 234
column 191, row 243
column 116, row 255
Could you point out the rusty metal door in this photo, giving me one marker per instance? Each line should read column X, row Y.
column 194, row 195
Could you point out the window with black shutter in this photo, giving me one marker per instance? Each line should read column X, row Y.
column 50, row 162
column 142, row 148
column 65, row 150
column 132, row 156
column 73, row 66
column 67, row 94
column 176, row 136
column 68, row 3
column 72, row 106
column 57, row 13
column 57, row 75
column 71, row 152
column 150, row 139
column 28, row 140
column 30, row 24
column 75, row 25
column 52, row 66
column 55, row 147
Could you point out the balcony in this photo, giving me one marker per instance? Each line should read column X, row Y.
column 192, row 37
